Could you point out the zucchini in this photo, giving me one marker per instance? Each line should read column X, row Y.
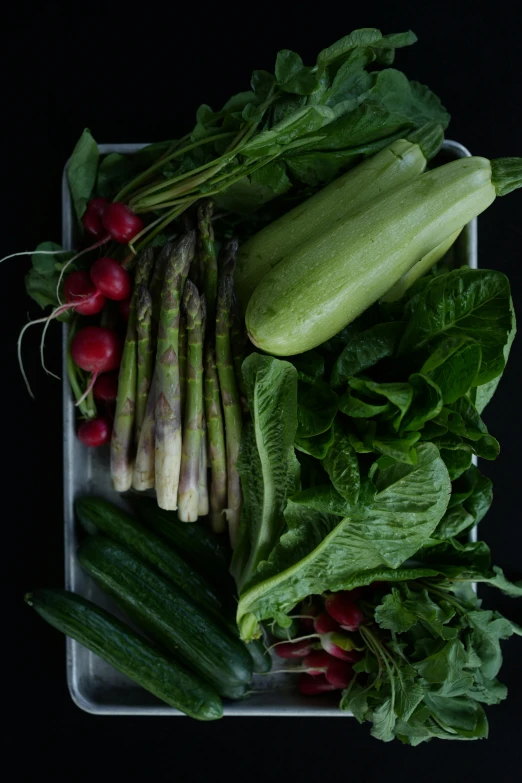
column 168, row 616
column 128, row 652
column 199, row 546
column 420, row 269
column 399, row 163
column 331, row 279
column 120, row 526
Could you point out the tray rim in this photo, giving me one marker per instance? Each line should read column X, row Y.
column 231, row 709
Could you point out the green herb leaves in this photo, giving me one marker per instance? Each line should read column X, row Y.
column 429, row 666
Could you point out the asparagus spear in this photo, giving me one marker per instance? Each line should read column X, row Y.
column 157, row 279
column 122, row 441
column 144, row 267
column 182, row 362
column 168, row 413
column 228, row 385
column 144, row 354
column 190, row 453
column 203, row 507
column 208, row 256
column 143, row 476
column 216, row 443
column 203, row 474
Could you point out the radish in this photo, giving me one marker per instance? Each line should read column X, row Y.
column 95, row 349
column 82, row 294
column 121, row 222
column 111, row 279
column 124, row 308
column 331, row 637
column 339, row 673
column 313, row 686
column 324, row 623
column 343, row 608
column 106, row 386
column 297, row 649
column 317, row 662
column 95, row 432
column 92, row 217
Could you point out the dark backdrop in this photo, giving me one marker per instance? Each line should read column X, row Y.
column 139, row 75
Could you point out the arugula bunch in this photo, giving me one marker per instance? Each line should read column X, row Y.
column 431, row 660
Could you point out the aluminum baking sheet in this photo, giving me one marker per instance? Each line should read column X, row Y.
column 94, row 685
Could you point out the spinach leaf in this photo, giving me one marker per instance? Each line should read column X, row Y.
column 113, row 173
column 82, row 170
column 486, row 391
column 316, row 408
column 365, row 349
column 316, row 446
column 342, row 467
column 465, row 302
column 453, row 366
column 267, row 463
column 426, row 402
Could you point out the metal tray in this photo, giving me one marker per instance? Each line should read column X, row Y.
column 94, row 685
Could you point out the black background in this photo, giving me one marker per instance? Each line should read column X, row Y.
column 138, row 75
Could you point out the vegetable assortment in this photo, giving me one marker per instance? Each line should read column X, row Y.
column 271, row 321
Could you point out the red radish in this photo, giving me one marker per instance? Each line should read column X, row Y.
column 95, row 432
column 111, row 279
column 307, row 624
column 324, row 623
column 328, row 643
column 106, row 386
column 121, row 222
column 92, row 217
column 343, row 608
column 124, row 308
column 339, row 673
column 294, row 649
column 317, row 662
column 98, row 205
column 81, row 292
column 313, row 686
column 96, row 349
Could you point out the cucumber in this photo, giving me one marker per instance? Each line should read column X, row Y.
column 331, row 279
column 399, row 163
column 128, row 652
column 199, row 546
column 260, row 656
column 168, row 616
column 285, row 634
column 120, row 526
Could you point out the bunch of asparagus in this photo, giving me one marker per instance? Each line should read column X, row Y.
column 179, row 414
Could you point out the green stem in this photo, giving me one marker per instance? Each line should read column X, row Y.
column 87, row 407
column 165, row 159
column 216, row 164
column 172, row 215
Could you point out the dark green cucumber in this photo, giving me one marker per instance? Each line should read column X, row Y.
column 260, row 656
column 200, row 547
column 285, row 633
column 120, row 526
column 168, row 616
column 128, row 652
